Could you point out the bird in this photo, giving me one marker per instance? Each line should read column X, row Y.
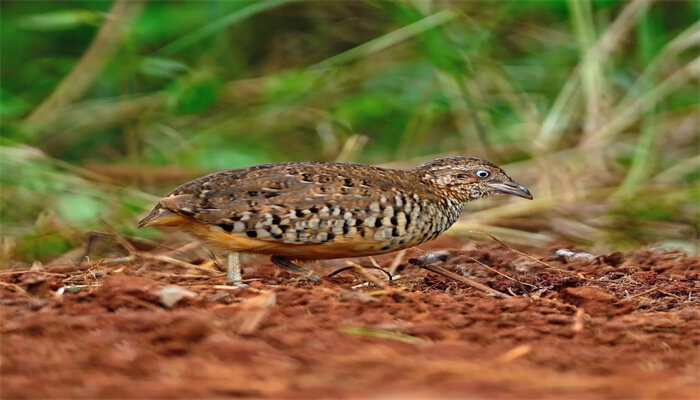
column 312, row 210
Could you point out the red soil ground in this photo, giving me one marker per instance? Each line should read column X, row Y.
column 621, row 325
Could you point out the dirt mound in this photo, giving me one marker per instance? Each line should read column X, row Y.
column 621, row 325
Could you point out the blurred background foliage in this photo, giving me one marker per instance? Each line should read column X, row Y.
column 592, row 104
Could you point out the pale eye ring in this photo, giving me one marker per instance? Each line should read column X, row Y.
column 482, row 174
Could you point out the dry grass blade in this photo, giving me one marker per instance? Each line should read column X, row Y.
column 501, row 273
column 117, row 260
column 518, row 281
column 77, row 82
column 15, row 288
column 119, row 239
column 351, row 148
column 369, row 277
column 254, row 311
column 464, row 228
column 515, row 353
column 591, row 68
column 682, row 167
column 173, row 261
column 463, row 115
column 382, row 334
column 682, row 42
column 396, row 262
column 563, row 106
column 184, row 248
column 458, row 278
column 577, row 325
column 514, row 209
column 531, row 257
column 626, row 114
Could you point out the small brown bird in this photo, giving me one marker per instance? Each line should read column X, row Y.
column 322, row 210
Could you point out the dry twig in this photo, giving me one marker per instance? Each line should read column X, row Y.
column 473, row 284
column 173, row 261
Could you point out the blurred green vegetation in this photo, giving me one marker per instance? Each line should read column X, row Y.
column 592, row 104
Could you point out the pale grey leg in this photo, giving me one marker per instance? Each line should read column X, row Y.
column 233, row 272
column 284, row 263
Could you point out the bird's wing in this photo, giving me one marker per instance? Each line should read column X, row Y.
column 251, row 198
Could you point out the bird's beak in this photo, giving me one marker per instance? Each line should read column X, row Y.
column 511, row 188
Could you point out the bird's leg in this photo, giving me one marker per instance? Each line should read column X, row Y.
column 284, row 263
column 233, row 271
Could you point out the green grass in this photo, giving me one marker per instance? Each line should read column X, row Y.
column 592, row 104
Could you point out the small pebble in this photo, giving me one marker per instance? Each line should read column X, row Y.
column 171, row 295
column 566, row 253
column 435, row 256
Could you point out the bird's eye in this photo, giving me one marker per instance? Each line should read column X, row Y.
column 482, row 174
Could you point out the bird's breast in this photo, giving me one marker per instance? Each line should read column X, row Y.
column 327, row 230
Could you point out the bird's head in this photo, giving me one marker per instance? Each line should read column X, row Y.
column 468, row 178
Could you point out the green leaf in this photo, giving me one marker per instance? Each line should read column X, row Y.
column 221, row 24
column 43, row 246
column 78, row 207
column 224, row 157
column 11, row 106
column 60, row 20
column 291, row 84
column 193, row 95
column 74, row 289
column 162, row 67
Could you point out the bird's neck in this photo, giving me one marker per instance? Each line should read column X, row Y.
column 452, row 208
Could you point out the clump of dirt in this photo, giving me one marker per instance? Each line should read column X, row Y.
column 620, row 325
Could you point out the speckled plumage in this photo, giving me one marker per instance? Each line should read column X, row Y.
column 318, row 210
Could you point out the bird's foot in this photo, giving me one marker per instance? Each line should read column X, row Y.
column 284, row 263
column 233, row 272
